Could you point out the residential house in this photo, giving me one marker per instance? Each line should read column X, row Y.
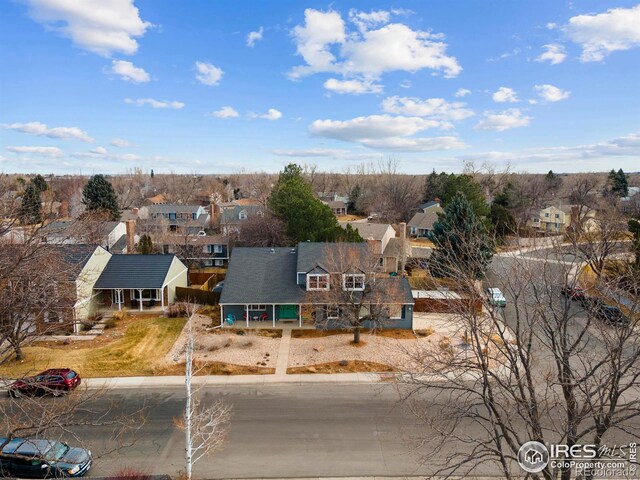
column 558, row 219
column 232, row 216
column 162, row 218
column 383, row 242
column 140, row 281
column 197, row 251
column 271, row 284
column 631, row 203
column 338, row 204
column 421, row 224
column 110, row 235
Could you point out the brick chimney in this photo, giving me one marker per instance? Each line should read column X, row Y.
column 131, row 231
column 215, row 214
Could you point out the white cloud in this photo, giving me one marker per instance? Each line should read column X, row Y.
column 120, row 143
column 554, row 54
column 364, row 21
column 599, row 35
column 505, row 94
column 208, row 74
column 501, row 121
column 101, row 27
column 462, row 92
column 367, row 52
column 325, row 152
column 99, row 151
column 355, row 87
column 140, row 102
column 385, row 132
column 272, row 114
column 430, row 107
column 129, row 72
column 45, row 151
column 254, row 37
column 406, row 84
column 41, row 130
column 226, row 112
column 550, row 93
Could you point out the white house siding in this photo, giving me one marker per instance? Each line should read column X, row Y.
column 116, row 233
column 176, row 277
column 86, row 299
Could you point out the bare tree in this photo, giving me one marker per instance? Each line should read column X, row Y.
column 354, row 297
column 205, row 428
column 541, row 370
column 263, row 230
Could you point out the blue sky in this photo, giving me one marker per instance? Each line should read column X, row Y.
column 105, row 86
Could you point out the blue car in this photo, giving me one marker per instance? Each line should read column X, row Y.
column 39, row 458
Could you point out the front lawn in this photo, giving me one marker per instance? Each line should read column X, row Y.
column 136, row 347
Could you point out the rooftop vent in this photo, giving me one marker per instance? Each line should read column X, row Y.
column 272, row 250
column 293, row 250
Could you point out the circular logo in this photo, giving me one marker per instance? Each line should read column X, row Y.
column 533, row 457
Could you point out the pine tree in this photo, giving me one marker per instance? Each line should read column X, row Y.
column 434, row 185
column 145, row 245
column 99, row 196
column 306, row 217
column 353, row 199
column 152, row 173
column 40, row 183
column 471, row 190
column 634, row 228
column 621, row 185
column 462, row 244
column 31, row 207
column 554, row 182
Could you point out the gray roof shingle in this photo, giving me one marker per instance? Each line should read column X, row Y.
column 261, row 275
column 426, row 219
column 369, row 230
column 312, row 254
column 135, row 271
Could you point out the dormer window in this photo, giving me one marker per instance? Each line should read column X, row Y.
column 353, row 281
column 318, row 281
column 242, row 215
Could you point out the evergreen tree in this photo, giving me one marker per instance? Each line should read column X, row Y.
column 145, row 245
column 618, row 185
column 306, row 217
column 554, row 182
column 31, row 206
column 503, row 221
column 40, row 183
column 634, row 228
column 99, row 196
column 152, row 173
column 462, row 245
column 353, row 199
column 434, row 185
column 471, row 190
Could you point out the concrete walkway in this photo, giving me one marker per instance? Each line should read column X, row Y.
column 283, row 353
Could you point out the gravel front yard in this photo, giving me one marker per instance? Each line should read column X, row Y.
column 226, row 346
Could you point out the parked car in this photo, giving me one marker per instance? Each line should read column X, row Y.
column 218, row 287
column 613, row 316
column 39, row 458
column 54, row 381
column 574, row 292
column 496, row 298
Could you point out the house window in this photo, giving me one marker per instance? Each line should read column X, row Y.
column 395, row 311
column 219, row 263
column 242, row 215
column 557, row 215
column 217, row 249
column 147, row 294
column 52, row 317
column 332, row 311
column 353, row 281
column 546, row 215
column 256, row 307
column 206, row 249
column 207, row 263
column 172, row 216
column 194, row 216
column 317, row 282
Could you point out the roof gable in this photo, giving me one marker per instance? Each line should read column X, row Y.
column 135, row 271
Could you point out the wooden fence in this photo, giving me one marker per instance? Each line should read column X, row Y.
column 196, row 295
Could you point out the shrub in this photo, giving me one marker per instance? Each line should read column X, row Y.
column 177, row 310
column 229, row 342
column 110, row 323
column 120, row 315
column 130, row 473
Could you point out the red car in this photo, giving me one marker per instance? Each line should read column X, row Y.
column 55, row 381
column 573, row 292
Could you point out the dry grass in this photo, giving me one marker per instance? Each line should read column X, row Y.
column 135, row 347
column 259, row 332
column 352, row 366
column 218, row 368
column 399, row 334
column 425, row 333
column 350, row 218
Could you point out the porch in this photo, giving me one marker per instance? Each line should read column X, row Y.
column 140, row 299
column 266, row 316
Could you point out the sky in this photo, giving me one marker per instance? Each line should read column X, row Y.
column 107, row 86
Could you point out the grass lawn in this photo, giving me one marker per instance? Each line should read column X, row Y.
column 135, row 347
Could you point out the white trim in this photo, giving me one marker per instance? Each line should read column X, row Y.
column 318, row 275
column 344, row 281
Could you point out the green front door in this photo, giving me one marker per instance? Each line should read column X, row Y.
column 286, row 312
